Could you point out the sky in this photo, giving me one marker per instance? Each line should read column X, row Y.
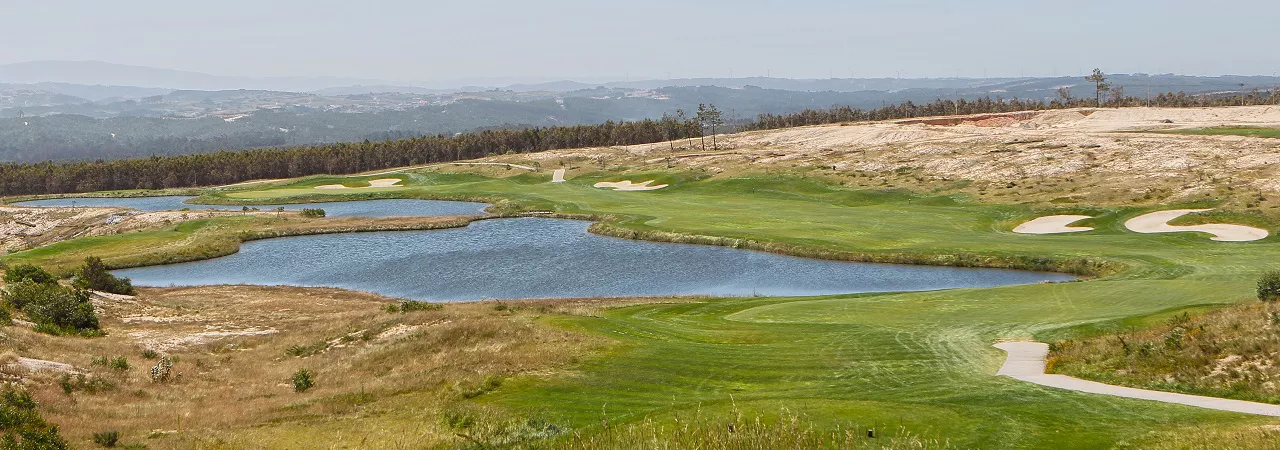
column 434, row 40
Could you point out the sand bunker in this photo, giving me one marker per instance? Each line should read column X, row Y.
column 380, row 183
column 1157, row 222
column 557, row 176
column 627, row 185
column 1052, row 225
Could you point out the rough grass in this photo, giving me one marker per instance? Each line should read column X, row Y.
column 1231, row 131
column 1230, row 352
column 231, row 385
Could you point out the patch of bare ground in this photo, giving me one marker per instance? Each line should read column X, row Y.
column 1104, row 156
column 23, row 228
column 383, row 375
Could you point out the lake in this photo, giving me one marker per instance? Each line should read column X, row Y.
column 550, row 258
column 362, row 208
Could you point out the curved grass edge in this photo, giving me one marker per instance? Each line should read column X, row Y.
column 1077, row 266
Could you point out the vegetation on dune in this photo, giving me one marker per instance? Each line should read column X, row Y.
column 55, row 309
column 1230, row 352
column 22, row 426
column 94, row 276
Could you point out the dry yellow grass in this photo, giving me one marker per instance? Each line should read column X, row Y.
column 382, row 378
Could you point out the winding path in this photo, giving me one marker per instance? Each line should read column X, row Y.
column 1026, row 362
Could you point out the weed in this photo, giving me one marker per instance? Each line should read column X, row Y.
column 107, row 439
column 303, row 380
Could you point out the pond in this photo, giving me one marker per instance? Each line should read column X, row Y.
column 362, row 208
column 550, row 258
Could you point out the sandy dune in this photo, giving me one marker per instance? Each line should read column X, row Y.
column 1107, row 153
column 1157, row 222
column 557, row 176
column 1026, row 362
column 627, row 185
column 1052, row 225
column 379, row 183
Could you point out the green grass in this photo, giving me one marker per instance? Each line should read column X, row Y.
column 920, row 362
column 1231, row 131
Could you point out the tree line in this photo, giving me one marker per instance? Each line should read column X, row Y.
column 1106, row 95
column 228, row 167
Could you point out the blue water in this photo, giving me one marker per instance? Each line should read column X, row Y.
column 550, row 258
column 362, row 208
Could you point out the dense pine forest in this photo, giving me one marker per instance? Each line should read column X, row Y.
column 227, row 167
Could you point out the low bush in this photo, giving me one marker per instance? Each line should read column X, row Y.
column 107, row 439
column 410, row 306
column 28, row 272
column 119, row 363
column 312, row 212
column 21, row 426
column 55, row 309
column 303, row 380
column 303, row 351
column 92, row 385
column 1269, row 286
column 93, row 275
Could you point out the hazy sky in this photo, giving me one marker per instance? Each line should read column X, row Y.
column 438, row 40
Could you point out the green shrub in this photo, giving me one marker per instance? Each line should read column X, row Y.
column 1269, row 286
column 28, row 272
column 410, row 306
column 94, row 275
column 149, row 353
column 302, row 351
column 313, row 212
column 55, row 309
column 107, row 439
column 21, row 426
column 80, row 382
column 62, row 311
column 119, row 363
column 6, row 318
column 302, row 380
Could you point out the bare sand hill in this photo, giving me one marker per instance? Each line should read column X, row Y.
column 1100, row 155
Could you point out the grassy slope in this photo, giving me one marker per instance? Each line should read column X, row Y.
column 1231, row 131
column 917, row 359
column 1224, row 352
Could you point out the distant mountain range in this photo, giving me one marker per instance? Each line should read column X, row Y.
column 92, row 110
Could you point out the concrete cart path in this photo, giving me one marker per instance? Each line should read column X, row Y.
column 1026, row 362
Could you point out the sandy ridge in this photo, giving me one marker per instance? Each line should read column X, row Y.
column 1026, row 362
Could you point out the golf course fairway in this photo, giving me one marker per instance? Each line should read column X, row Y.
column 919, row 363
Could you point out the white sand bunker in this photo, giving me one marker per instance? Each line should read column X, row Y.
column 627, row 185
column 380, row 183
column 557, row 176
column 1052, row 225
column 1158, row 222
